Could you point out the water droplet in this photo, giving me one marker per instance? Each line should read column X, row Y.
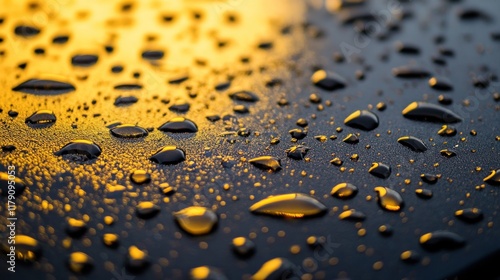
column 153, row 54
column 8, row 148
column 75, row 228
column 413, row 143
column 406, row 48
column 266, row 163
column 87, row 149
column 441, row 239
column 41, row 117
column 166, row 189
column 295, row 205
column 241, row 109
column 362, row 119
column 169, row 155
column 469, row 215
column 179, row 124
column 380, row 170
column 430, row 112
column 180, row 107
column 389, row 199
column 80, row 263
column 26, row 30
column 61, row 39
column 4, row 184
column 140, row 177
column 178, row 79
column 447, row 130
column 244, row 95
column 385, row 230
column 111, row 240
column 44, row 87
column 424, row 193
column 147, row 209
column 429, row 178
column 447, row 153
column 128, row 87
column 440, row 84
column 128, row 131
column 297, row 152
column 336, row 161
column 27, row 248
column 137, row 259
column 125, row 100
column 206, row 273
column 493, row 178
column 274, row 269
column 410, row 72
column 353, row 215
column 351, row 139
column 213, row 118
column 344, row 190
column 196, row 220
column 84, row 60
column 298, row 133
column 302, row 122
column 410, row 256
column 328, row 80
column 445, row 99
column 243, row 246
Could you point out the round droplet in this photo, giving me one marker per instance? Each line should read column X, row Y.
column 441, row 239
column 344, row 190
column 424, row 193
column 41, row 117
column 328, row 80
column 277, row 268
column 147, row 209
column 196, row 220
column 140, row 177
column 7, row 180
column 469, row 215
column 297, row 152
column 362, row 119
column 493, row 178
column 206, row 273
column 128, row 131
column 266, row 163
column 137, row 259
column 80, row 263
column 294, row 205
column 243, row 247
column 351, row 139
column 44, row 87
column 352, row 215
column 389, row 199
column 76, row 228
column 87, row 149
column 179, row 124
column 169, row 155
column 423, row 111
column 27, row 249
column 380, row 170
column 413, row 143
column 298, row 133
column 244, row 95
column 110, row 240
column 302, row 122
column 410, row 256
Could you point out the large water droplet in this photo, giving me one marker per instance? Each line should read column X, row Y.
column 80, row 263
column 423, row 111
column 179, row 124
column 362, row 119
column 413, row 143
column 128, row 131
column 147, row 209
column 493, row 178
column 344, row 190
column 469, row 215
column 389, row 199
column 87, row 149
column 441, row 239
column 275, row 269
column 244, row 95
column 7, row 180
column 297, row 152
column 136, row 259
column 295, row 205
column 41, row 117
column 380, row 170
column 423, row 193
column 169, row 155
column 196, row 220
column 243, row 246
column 206, row 273
column 44, row 87
column 328, row 80
column 266, row 163
column 27, row 248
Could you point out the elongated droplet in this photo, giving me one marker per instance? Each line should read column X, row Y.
column 352, row 215
column 27, row 249
column 128, row 131
column 294, row 205
column 75, row 227
column 344, row 190
column 206, row 273
column 413, row 143
column 84, row 60
column 41, row 117
column 125, row 100
column 266, row 163
column 440, row 84
column 423, row 111
column 169, row 155
column 328, row 80
column 389, row 199
column 179, row 124
column 410, row 256
column 469, row 215
column 196, row 220
column 362, row 119
column 5, row 180
column 44, row 87
column 244, row 95
column 153, row 54
column 493, row 178
column 80, row 263
column 429, row 178
column 424, row 193
column 147, row 209
column 380, row 170
column 136, row 259
column 274, row 269
column 410, row 72
column 447, row 130
column 441, row 239
column 128, row 87
column 87, row 149
column 243, row 246
column 140, row 177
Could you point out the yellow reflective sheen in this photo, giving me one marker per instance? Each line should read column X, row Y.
column 294, row 205
column 239, row 241
column 199, row 273
column 424, row 238
column 267, row 268
column 76, row 223
column 196, row 220
column 352, row 116
column 135, row 253
column 26, row 240
column 410, row 107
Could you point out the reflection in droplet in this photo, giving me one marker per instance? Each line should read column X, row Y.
column 447, row 130
column 328, row 80
column 413, row 143
column 447, row 153
column 469, row 215
column 147, row 209
column 389, row 199
column 27, row 248
column 424, row 193
column 196, row 220
column 429, row 178
column 136, row 259
column 179, row 124
column 493, row 178
column 5, row 180
column 441, row 239
column 87, row 149
column 423, row 111
column 410, row 256
column 169, row 155
column 362, row 119
column 80, row 263
column 206, row 273
column 128, row 131
column 84, row 60
column 44, row 87
column 243, row 246
column 277, row 268
column 41, row 117
column 266, row 163
column 244, row 95
column 294, row 205
column 344, row 190
column 352, row 215
column 140, row 177
column 380, row 170
column 297, row 152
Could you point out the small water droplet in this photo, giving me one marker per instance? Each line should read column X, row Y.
column 111, row 240
column 297, row 133
column 493, row 178
column 196, row 220
column 385, row 230
column 80, row 263
column 27, row 249
column 44, row 87
column 26, row 30
column 406, row 48
column 410, row 256
column 167, row 190
column 328, row 80
column 429, row 178
column 362, row 119
column 440, row 84
column 76, row 228
column 447, row 153
column 353, row 215
column 266, row 163
column 128, row 131
column 125, row 100
column 441, row 239
column 8, row 148
column 180, row 107
column 169, row 155
column 128, row 87
column 410, row 72
column 244, row 95
column 295, row 205
column 277, row 268
column 380, row 170
column 469, row 215
column 389, row 199
column 153, row 54
column 351, row 139
column 447, row 130
column 424, row 193
column 147, row 209
column 179, row 124
column 41, row 117
column 344, row 190
column 297, row 152
column 423, row 111
column 413, row 143
column 206, row 273
column 84, row 60
column 243, row 246
column 87, row 149
column 136, row 259
column 140, row 177
column 336, row 161
column 5, row 180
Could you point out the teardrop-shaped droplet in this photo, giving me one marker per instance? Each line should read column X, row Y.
column 423, row 193
column 111, row 240
column 243, row 246
column 41, row 117
column 362, row 119
column 352, row 215
column 75, row 227
column 429, row 178
column 447, row 153
column 128, row 131
column 80, row 263
column 385, row 230
column 440, row 84
column 413, row 143
column 469, row 215
column 87, row 149
column 179, row 124
column 266, row 163
column 410, row 72
column 244, row 95
column 84, row 60
column 206, row 273
column 140, row 177
column 27, row 249
column 44, row 87
column 274, row 269
column 493, row 178
column 196, row 220
column 410, row 256
column 169, row 155
column 447, row 130
column 351, row 139
column 344, row 190
column 297, row 152
column 328, row 80
column 423, row 111
column 147, row 209
column 380, row 170
column 441, row 239
column 294, row 205
column 136, row 259
column 389, row 199
column 12, row 183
